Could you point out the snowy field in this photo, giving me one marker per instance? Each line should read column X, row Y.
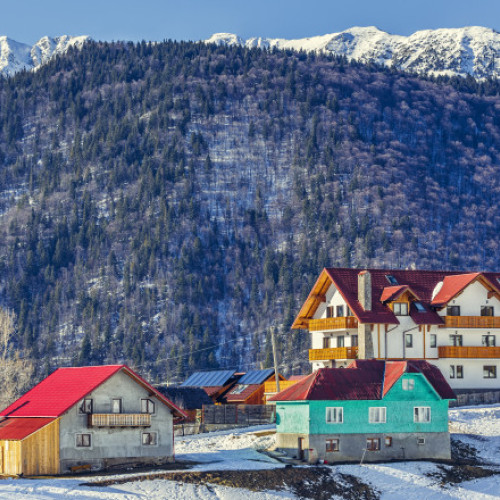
column 229, row 451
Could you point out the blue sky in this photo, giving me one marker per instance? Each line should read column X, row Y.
column 29, row 20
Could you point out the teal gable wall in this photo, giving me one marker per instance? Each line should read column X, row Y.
column 309, row 417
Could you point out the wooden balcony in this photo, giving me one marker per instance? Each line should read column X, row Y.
column 333, row 353
column 471, row 322
column 119, row 420
column 468, row 352
column 270, row 385
column 341, row 323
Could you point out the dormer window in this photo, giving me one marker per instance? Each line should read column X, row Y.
column 391, row 279
column 420, row 308
column 400, row 308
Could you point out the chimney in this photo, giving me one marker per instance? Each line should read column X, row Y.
column 365, row 290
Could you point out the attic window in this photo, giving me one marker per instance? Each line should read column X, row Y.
column 391, row 279
column 420, row 307
column 239, row 389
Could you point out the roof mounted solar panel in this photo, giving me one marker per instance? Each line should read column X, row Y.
column 209, row 379
column 256, row 376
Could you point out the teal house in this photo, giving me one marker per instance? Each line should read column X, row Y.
column 372, row 410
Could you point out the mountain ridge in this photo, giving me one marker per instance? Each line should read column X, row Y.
column 472, row 50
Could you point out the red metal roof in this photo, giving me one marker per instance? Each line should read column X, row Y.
column 57, row 393
column 362, row 379
column 19, row 428
column 452, row 286
column 421, row 283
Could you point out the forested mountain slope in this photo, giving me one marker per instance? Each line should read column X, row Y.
column 165, row 204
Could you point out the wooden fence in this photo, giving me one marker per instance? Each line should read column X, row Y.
column 238, row 414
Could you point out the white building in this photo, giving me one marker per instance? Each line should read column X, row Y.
column 450, row 319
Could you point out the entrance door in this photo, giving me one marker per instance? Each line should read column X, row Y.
column 301, row 448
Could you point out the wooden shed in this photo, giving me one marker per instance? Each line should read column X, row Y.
column 29, row 446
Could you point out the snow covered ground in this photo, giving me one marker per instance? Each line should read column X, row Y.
column 237, row 450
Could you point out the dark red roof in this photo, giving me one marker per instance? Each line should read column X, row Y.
column 362, row 379
column 62, row 389
column 20, row 428
column 244, row 394
column 421, row 284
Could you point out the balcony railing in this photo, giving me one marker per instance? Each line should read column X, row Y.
column 333, row 353
column 341, row 323
column 119, row 420
column 468, row 352
column 471, row 322
column 270, row 385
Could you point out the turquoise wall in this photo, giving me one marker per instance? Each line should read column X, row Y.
column 309, row 417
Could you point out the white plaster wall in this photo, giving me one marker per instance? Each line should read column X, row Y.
column 471, row 300
column 116, row 442
column 333, row 298
column 473, row 373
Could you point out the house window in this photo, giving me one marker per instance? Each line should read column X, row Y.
column 372, row 444
column 326, row 342
column 149, row 438
column 422, row 414
column 489, row 371
column 433, row 340
column 408, row 384
column 456, row 371
column 116, row 406
column 487, row 311
column 400, row 308
column 488, row 340
column 420, row 308
column 340, row 311
column 420, row 441
column 83, row 441
column 332, row 445
column 388, row 441
column 456, row 340
column 147, row 406
column 329, row 312
column 453, row 311
column 354, row 340
column 86, row 406
column 409, row 340
column 377, row 415
column 340, row 341
column 334, row 415
column 349, row 312
column 391, row 279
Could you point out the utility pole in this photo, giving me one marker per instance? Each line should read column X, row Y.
column 275, row 357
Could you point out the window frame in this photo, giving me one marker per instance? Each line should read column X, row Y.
column 397, row 308
column 485, row 340
column 329, row 311
column 120, row 400
column 332, row 445
column 150, row 442
column 340, row 341
column 489, row 371
column 381, row 411
column 453, row 311
column 456, row 340
column 488, row 309
column 372, row 444
column 408, row 340
column 334, row 410
column 87, row 403
column 80, row 440
column 425, row 411
column 409, row 382
column 339, row 311
column 433, row 341
column 388, row 441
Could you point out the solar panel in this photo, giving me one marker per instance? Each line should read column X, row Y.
column 209, row 379
column 256, row 376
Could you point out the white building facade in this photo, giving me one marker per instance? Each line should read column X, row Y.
column 450, row 319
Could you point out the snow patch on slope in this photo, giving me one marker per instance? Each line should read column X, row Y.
column 472, row 50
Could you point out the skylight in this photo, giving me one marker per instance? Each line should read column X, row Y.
column 420, row 307
column 391, row 279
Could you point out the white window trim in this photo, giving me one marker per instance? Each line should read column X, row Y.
column 408, row 384
column 422, row 421
column 341, row 408
column 381, row 411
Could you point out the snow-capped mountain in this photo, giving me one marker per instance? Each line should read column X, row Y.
column 459, row 51
column 16, row 56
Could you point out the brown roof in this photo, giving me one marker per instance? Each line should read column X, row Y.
column 420, row 283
